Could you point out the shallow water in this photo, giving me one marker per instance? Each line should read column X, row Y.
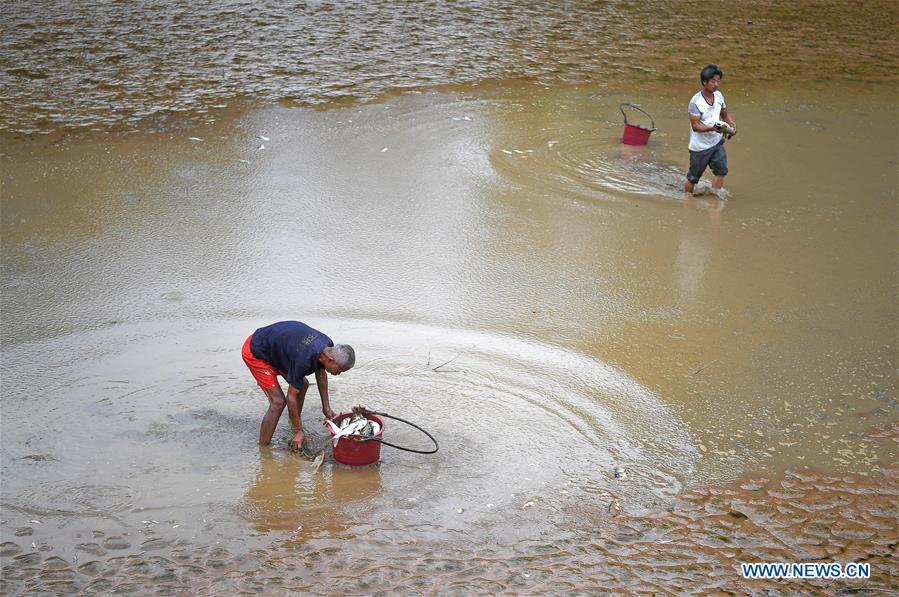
column 542, row 298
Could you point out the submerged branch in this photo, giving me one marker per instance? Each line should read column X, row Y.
column 442, row 364
column 704, row 367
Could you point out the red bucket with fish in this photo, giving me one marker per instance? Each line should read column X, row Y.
column 354, row 450
column 634, row 134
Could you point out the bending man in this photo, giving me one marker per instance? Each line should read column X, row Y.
column 293, row 350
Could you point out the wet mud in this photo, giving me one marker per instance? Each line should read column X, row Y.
column 696, row 545
column 111, row 65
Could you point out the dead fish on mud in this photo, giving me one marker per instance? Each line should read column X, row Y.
column 615, row 507
column 315, row 459
column 355, row 425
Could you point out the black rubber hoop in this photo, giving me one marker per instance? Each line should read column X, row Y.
column 378, row 439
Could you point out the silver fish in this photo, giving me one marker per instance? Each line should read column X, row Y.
column 725, row 129
column 352, row 429
column 370, row 429
column 317, row 463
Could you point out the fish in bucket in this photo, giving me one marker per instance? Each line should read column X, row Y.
column 351, row 435
column 357, row 436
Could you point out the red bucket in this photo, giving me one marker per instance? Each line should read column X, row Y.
column 635, row 134
column 355, row 451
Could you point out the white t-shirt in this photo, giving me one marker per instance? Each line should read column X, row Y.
column 707, row 115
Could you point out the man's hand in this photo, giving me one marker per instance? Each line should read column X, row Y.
column 726, row 128
column 297, row 442
column 329, row 414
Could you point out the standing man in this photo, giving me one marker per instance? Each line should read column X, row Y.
column 293, row 350
column 706, row 109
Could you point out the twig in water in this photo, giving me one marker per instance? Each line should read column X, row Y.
column 704, row 367
column 446, row 363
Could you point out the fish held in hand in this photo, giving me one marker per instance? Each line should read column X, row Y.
column 725, row 129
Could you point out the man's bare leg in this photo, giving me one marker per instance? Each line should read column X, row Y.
column 276, row 404
column 718, row 182
column 688, row 186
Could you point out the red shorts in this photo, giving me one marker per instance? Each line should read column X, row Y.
column 264, row 374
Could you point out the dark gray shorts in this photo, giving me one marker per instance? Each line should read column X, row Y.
column 715, row 157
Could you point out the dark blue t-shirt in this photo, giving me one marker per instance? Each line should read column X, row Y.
column 290, row 346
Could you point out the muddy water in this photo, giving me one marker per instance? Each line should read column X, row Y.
column 102, row 65
column 540, row 297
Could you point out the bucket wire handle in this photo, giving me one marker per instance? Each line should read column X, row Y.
column 635, row 107
column 378, row 439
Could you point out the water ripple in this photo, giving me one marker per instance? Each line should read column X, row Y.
column 114, row 65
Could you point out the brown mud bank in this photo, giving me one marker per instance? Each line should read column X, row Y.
column 114, row 66
column 697, row 545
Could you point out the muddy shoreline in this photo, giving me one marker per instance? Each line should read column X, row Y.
column 700, row 542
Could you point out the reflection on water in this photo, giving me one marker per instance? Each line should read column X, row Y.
column 694, row 248
column 291, row 493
